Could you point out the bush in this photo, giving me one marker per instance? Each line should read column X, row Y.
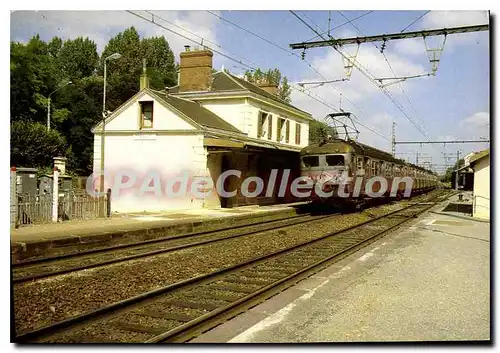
column 31, row 145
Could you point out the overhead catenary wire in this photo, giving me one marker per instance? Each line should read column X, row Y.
column 411, row 24
column 293, row 53
column 267, row 41
column 190, row 39
column 340, row 25
column 203, row 40
column 310, row 94
column 390, row 66
column 367, row 74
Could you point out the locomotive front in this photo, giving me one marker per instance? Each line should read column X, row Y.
column 328, row 166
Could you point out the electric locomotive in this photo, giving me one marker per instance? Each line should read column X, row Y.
column 341, row 169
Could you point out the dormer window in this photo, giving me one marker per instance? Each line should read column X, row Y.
column 146, row 114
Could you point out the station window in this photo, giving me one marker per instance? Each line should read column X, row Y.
column 287, row 131
column 146, row 114
column 269, row 127
column 262, row 125
column 297, row 133
column 281, row 131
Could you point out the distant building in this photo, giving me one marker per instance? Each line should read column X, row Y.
column 208, row 124
column 480, row 163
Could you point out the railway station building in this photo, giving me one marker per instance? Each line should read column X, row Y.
column 480, row 163
column 209, row 123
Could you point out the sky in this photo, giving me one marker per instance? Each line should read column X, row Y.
column 452, row 105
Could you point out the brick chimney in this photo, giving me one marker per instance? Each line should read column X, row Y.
column 269, row 88
column 195, row 72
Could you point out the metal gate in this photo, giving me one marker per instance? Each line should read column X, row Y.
column 36, row 209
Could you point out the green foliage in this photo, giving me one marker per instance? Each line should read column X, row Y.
column 449, row 171
column 33, row 146
column 78, row 58
column 123, row 74
column 285, row 90
column 271, row 76
column 37, row 69
column 319, row 131
column 33, row 76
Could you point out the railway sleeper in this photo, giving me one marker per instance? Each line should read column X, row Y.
column 169, row 315
column 247, row 281
column 234, row 288
column 191, row 304
column 127, row 326
column 270, row 273
column 226, row 298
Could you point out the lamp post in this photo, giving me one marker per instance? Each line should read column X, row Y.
column 48, row 103
column 101, row 179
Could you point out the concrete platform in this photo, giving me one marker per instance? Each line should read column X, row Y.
column 39, row 240
column 427, row 282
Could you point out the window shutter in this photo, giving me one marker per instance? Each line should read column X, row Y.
column 287, row 131
column 259, row 126
column 297, row 133
column 270, row 127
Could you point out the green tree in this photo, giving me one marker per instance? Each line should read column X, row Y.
column 285, row 90
column 33, row 146
column 38, row 68
column 33, row 75
column 54, row 47
column 271, row 76
column 124, row 73
column 449, row 171
column 160, row 61
column 319, row 131
column 78, row 58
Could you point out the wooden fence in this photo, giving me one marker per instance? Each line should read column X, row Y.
column 34, row 208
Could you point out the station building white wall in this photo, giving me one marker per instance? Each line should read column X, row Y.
column 243, row 113
column 172, row 148
column 481, row 201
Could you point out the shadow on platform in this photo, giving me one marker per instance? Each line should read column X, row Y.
column 459, row 207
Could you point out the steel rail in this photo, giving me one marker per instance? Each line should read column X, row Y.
column 126, row 305
column 26, row 263
column 185, row 332
column 166, row 250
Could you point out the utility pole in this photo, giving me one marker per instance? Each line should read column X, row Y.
column 103, row 151
column 393, row 142
column 456, row 175
column 48, row 101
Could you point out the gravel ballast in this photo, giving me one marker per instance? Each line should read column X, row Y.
column 54, row 299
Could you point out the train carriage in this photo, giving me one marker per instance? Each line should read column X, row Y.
column 340, row 170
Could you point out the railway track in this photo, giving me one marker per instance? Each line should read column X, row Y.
column 43, row 268
column 183, row 310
